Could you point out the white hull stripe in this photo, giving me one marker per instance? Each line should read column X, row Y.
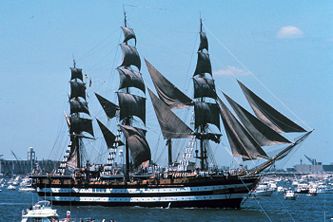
column 148, row 199
column 142, row 190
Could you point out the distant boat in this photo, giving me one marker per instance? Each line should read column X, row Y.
column 280, row 189
column 290, row 195
column 313, row 191
column 11, row 187
column 27, row 189
column 193, row 180
column 302, row 188
column 262, row 190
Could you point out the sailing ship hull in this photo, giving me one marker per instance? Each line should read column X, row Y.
column 212, row 192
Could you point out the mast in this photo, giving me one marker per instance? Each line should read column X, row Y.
column 127, row 121
column 130, row 76
column 205, row 112
column 169, row 144
column 77, row 123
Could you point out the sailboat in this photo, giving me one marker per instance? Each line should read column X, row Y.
column 141, row 182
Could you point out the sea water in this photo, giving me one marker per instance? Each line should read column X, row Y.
column 274, row 208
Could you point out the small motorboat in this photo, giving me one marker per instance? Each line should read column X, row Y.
column 290, row 195
column 280, row 189
column 27, row 189
column 11, row 187
column 41, row 211
column 262, row 190
column 313, row 191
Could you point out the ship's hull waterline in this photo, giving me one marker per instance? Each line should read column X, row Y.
column 204, row 192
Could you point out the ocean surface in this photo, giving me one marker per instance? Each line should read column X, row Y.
column 274, row 208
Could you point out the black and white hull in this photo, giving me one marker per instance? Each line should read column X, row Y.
column 219, row 193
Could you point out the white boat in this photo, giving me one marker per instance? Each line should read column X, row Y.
column 262, row 190
column 312, row 191
column 11, row 187
column 290, row 195
column 27, row 189
column 280, row 189
column 302, row 188
column 41, row 211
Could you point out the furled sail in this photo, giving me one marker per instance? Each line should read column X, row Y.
column 268, row 114
column 130, row 56
column 78, row 89
column 171, row 125
column 109, row 137
column 128, row 34
column 76, row 73
column 109, row 108
column 78, row 106
column 203, row 64
column 167, row 91
column 241, row 142
column 137, row 144
column 131, row 105
column 262, row 133
column 204, row 87
column 130, row 78
column 79, row 125
column 206, row 113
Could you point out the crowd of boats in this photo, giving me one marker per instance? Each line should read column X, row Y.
column 290, row 187
column 22, row 184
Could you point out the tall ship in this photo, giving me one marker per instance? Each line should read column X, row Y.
column 191, row 180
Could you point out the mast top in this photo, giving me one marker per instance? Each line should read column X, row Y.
column 74, row 63
column 125, row 18
column 200, row 24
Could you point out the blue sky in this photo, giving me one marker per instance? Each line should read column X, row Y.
column 283, row 50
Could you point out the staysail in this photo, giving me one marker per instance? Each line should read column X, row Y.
column 267, row 114
column 109, row 137
column 241, row 142
column 262, row 133
column 167, row 91
column 109, row 108
column 171, row 125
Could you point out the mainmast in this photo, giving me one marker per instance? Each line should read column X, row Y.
column 205, row 107
column 130, row 104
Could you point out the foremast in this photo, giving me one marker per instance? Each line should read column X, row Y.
column 131, row 108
